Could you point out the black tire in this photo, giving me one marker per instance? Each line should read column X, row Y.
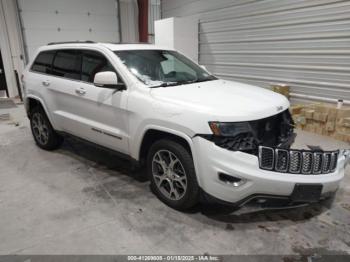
column 46, row 138
column 190, row 196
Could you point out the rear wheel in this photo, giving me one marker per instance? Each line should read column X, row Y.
column 172, row 174
column 44, row 135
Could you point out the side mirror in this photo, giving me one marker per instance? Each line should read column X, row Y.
column 203, row 67
column 108, row 79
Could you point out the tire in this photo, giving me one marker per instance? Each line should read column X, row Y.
column 172, row 180
column 44, row 135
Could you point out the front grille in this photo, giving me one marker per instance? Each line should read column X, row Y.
column 266, row 158
column 297, row 161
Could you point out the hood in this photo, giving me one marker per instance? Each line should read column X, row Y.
column 223, row 100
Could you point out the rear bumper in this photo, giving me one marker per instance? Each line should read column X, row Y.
column 210, row 160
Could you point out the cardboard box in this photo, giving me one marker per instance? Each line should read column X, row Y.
column 346, row 122
column 330, row 126
column 296, row 109
column 308, row 113
column 324, row 119
column 343, row 112
column 282, row 89
column 318, row 116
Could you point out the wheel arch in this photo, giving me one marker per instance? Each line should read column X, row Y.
column 153, row 134
column 33, row 101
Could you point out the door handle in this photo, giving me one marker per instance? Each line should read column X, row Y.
column 80, row 91
column 46, row 83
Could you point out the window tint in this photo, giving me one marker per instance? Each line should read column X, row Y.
column 43, row 62
column 67, row 64
column 93, row 63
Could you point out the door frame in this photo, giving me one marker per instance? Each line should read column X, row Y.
column 3, row 75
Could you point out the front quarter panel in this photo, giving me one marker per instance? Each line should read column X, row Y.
column 147, row 113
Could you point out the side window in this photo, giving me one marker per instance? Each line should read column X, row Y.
column 67, row 64
column 43, row 62
column 93, row 63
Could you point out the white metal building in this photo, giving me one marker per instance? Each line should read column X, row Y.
column 305, row 44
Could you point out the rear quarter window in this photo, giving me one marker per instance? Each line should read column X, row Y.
column 43, row 62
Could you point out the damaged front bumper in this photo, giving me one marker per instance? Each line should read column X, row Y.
column 236, row 177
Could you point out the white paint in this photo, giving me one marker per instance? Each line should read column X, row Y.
column 178, row 33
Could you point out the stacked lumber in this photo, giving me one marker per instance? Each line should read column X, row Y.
column 323, row 119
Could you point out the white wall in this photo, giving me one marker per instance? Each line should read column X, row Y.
column 178, row 33
column 47, row 21
column 129, row 21
column 11, row 44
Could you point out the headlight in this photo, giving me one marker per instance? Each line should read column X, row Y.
column 229, row 129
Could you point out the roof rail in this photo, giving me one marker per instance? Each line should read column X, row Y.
column 130, row 43
column 72, row 42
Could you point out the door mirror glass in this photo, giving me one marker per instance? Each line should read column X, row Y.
column 108, row 79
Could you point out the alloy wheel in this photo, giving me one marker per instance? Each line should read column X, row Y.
column 40, row 129
column 169, row 174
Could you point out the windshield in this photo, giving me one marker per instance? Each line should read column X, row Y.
column 156, row 68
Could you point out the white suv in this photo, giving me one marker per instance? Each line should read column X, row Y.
column 198, row 136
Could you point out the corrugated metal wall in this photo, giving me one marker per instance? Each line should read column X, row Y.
column 303, row 43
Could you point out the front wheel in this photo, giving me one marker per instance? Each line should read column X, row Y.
column 172, row 174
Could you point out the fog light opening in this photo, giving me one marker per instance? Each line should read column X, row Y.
column 230, row 180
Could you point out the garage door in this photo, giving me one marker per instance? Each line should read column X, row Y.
column 305, row 44
column 46, row 21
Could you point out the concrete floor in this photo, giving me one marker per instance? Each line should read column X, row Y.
column 81, row 200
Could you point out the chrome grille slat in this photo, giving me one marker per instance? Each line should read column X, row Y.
column 281, row 160
column 297, row 161
column 317, row 166
column 306, row 166
column 334, row 161
column 266, row 158
column 326, row 163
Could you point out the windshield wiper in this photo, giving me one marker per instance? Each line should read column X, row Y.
column 204, row 80
column 166, row 84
